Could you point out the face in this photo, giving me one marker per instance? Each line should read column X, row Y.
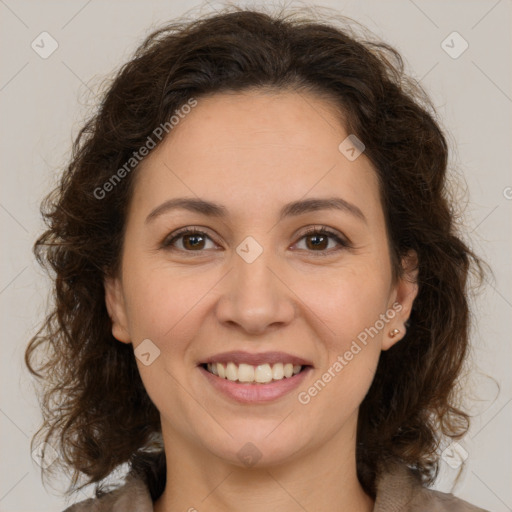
column 252, row 289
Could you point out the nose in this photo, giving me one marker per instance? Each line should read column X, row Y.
column 255, row 295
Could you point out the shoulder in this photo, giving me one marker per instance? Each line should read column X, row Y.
column 434, row 501
column 132, row 496
column 398, row 489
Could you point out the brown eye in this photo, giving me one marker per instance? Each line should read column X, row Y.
column 192, row 240
column 317, row 240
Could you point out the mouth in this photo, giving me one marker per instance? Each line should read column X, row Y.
column 265, row 373
column 255, row 378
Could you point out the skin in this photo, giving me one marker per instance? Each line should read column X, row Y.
column 254, row 152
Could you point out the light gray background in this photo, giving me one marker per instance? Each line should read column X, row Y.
column 43, row 102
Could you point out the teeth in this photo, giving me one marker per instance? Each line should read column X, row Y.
column 245, row 373
column 231, row 372
column 277, row 371
column 262, row 374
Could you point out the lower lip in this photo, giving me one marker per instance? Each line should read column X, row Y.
column 255, row 393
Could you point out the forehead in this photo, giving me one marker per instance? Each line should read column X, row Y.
column 256, row 150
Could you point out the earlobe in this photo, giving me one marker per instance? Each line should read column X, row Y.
column 114, row 302
column 406, row 292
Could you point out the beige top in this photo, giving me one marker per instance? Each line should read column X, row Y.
column 397, row 491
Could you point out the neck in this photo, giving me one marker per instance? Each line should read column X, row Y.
column 322, row 479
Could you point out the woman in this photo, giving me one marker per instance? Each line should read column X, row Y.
column 260, row 293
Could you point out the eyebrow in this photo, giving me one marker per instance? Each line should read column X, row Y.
column 293, row 209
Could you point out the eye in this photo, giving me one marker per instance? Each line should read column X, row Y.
column 319, row 240
column 193, row 240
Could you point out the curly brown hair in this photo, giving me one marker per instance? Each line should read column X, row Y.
column 95, row 407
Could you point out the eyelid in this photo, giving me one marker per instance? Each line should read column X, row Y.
column 327, row 230
column 187, row 230
column 342, row 241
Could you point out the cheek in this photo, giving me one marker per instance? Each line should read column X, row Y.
column 351, row 346
column 161, row 302
column 348, row 309
column 345, row 301
column 167, row 308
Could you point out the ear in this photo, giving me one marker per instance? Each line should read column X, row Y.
column 405, row 293
column 114, row 301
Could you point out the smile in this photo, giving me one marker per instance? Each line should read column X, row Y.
column 260, row 374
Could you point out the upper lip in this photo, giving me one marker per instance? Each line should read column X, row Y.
column 240, row 357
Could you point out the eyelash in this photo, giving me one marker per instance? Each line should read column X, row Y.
column 316, row 230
